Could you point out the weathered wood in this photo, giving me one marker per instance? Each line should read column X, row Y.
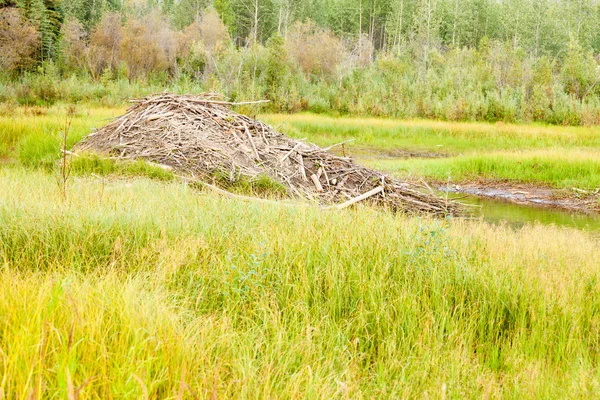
column 370, row 193
column 316, row 182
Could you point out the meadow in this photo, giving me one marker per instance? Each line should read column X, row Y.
column 133, row 284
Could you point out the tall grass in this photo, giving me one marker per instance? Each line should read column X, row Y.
column 146, row 289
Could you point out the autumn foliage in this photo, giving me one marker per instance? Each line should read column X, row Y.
column 19, row 40
column 316, row 50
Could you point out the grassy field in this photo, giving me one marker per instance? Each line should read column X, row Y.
column 140, row 288
column 33, row 134
column 135, row 285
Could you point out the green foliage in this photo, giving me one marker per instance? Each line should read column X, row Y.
column 185, row 12
column 579, row 71
column 278, row 68
column 475, row 60
column 47, row 17
column 227, row 14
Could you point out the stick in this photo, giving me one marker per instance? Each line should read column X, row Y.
column 338, row 144
column 251, row 141
column 302, row 171
column 316, row 182
column 289, row 153
column 362, row 197
column 159, row 116
column 233, row 195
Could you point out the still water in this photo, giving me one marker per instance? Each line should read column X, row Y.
column 517, row 215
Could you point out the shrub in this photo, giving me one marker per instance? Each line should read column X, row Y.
column 105, row 45
column 317, row 51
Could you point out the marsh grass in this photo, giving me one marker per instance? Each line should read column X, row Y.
column 261, row 185
column 96, row 164
column 555, row 168
column 559, row 157
column 151, row 287
column 372, row 134
column 32, row 135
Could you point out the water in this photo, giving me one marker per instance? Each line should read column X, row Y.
column 517, row 215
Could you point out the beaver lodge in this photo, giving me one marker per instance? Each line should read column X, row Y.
column 200, row 137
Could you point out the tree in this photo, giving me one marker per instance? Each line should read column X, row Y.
column 47, row 17
column 73, row 49
column 317, row 51
column 398, row 23
column 105, row 45
column 201, row 40
column 148, row 45
column 19, row 40
column 185, row 12
column 426, row 35
column 579, row 71
column 255, row 20
column 277, row 67
column 90, row 12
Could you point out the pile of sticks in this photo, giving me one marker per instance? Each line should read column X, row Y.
column 199, row 136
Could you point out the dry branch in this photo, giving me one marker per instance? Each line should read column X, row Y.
column 370, row 193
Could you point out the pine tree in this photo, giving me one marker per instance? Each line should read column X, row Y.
column 47, row 17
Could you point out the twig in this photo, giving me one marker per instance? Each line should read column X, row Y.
column 338, row 144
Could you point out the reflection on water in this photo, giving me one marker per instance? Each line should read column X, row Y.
column 517, row 215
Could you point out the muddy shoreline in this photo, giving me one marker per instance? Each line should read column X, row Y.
column 576, row 200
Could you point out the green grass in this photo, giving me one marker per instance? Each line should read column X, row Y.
column 559, row 157
column 376, row 134
column 32, row 135
column 94, row 164
column 140, row 286
column 547, row 168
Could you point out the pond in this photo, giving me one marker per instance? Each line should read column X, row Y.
column 517, row 215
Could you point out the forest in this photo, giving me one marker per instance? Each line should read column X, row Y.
column 479, row 60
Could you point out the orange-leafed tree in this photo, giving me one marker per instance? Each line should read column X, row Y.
column 19, row 41
column 105, row 45
column 148, row 45
column 317, row 51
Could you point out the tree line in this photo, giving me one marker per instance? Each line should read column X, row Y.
column 455, row 59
